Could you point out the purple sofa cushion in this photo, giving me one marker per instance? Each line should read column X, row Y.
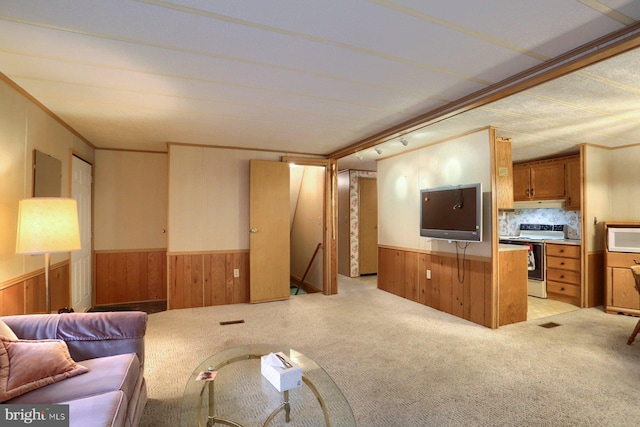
column 111, row 373
column 103, row 410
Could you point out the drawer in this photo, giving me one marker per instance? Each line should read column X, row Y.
column 567, row 251
column 563, row 289
column 563, row 263
column 621, row 259
column 566, row 276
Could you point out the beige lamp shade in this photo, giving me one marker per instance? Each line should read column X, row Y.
column 47, row 225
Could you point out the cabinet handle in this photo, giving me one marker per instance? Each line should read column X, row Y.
column 562, row 276
column 561, row 251
column 533, row 192
column 562, row 263
column 526, row 192
column 562, row 289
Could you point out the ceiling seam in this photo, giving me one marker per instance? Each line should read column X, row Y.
column 606, row 10
column 571, row 61
column 209, row 100
column 309, row 37
column 195, row 112
column 449, row 25
column 218, row 56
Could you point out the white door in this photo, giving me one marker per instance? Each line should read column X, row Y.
column 81, row 260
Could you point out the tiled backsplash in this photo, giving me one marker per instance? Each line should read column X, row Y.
column 509, row 222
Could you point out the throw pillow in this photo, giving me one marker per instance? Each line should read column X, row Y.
column 26, row 365
column 6, row 331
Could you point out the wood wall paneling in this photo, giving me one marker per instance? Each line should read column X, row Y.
column 130, row 276
column 403, row 273
column 424, row 264
column 595, row 280
column 215, row 279
column 199, row 280
column 27, row 294
column 410, row 276
column 13, row 300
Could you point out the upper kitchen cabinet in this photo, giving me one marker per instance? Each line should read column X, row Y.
column 573, row 182
column 543, row 180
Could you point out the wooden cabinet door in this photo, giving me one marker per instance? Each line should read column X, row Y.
column 547, row 180
column 521, row 183
column 573, row 183
column 623, row 289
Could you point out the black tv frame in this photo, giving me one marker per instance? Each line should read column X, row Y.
column 454, row 234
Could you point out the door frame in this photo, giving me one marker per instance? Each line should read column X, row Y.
column 72, row 154
column 330, row 217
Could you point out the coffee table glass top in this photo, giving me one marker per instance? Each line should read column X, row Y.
column 242, row 396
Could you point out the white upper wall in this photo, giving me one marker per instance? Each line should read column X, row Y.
column 130, row 210
column 625, row 194
column 209, row 197
column 25, row 127
column 463, row 160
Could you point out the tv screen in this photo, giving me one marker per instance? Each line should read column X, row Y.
column 452, row 212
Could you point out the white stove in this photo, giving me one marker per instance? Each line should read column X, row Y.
column 534, row 235
column 539, row 233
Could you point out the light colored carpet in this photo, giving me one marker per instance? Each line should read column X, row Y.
column 403, row 364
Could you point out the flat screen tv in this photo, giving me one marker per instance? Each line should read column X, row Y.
column 452, row 212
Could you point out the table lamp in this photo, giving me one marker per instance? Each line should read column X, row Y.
column 47, row 225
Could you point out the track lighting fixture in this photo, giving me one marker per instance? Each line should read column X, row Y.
column 358, row 156
column 378, row 150
column 404, row 142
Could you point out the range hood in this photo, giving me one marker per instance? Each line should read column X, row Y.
column 540, row 204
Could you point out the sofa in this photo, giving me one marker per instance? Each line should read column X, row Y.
column 96, row 364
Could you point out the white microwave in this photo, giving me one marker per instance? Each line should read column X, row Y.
column 623, row 239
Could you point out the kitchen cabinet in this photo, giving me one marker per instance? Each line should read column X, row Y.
column 573, row 183
column 621, row 296
column 544, row 180
column 504, row 173
column 564, row 278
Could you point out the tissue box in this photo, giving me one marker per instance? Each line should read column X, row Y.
column 281, row 377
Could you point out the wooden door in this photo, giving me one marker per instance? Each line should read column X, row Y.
column 269, row 262
column 81, row 190
column 368, row 226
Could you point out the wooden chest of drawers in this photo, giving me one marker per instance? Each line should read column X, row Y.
column 564, row 273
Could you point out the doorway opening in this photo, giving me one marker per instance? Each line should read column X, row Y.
column 307, row 224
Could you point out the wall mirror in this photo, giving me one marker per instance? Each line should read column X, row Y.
column 47, row 175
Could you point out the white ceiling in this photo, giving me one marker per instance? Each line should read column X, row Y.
column 317, row 76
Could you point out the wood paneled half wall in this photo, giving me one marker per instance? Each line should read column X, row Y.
column 130, row 276
column 206, row 279
column 26, row 294
column 461, row 290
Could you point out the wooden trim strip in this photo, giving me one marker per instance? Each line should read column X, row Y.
column 133, row 151
column 428, row 252
column 121, row 251
column 227, row 147
column 32, row 274
column 221, row 251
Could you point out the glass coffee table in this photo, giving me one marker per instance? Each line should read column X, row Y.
column 240, row 396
